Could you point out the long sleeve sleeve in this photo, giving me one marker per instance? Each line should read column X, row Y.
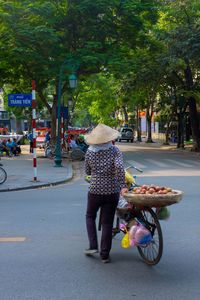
column 119, row 166
column 86, row 165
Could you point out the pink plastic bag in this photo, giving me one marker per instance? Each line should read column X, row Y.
column 139, row 235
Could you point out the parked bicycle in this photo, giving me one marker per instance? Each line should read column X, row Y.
column 3, row 175
column 49, row 150
column 75, row 154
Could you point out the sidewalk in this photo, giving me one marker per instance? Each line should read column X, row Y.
column 157, row 144
column 20, row 171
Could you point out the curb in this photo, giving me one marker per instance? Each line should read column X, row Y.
column 43, row 185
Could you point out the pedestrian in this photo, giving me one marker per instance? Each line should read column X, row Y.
column 30, row 137
column 81, row 143
column 104, row 162
column 16, row 150
column 73, row 144
column 47, row 136
column 9, row 145
column 4, row 148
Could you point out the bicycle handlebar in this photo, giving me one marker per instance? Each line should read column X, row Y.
column 136, row 168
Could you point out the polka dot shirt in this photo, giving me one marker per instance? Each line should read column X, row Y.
column 106, row 170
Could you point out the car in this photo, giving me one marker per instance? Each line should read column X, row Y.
column 126, row 133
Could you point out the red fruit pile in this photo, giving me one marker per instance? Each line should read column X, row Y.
column 152, row 189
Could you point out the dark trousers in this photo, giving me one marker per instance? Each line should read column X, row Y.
column 31, row 147
column 107, row 204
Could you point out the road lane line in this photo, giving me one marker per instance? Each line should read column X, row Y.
column 157, row 163
column 192, row 163
column 181, row 164
column 12, row 239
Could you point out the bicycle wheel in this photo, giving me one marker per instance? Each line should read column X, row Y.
column 77, row 154
column 48, row 153
column 152, row 252
column 3, row 175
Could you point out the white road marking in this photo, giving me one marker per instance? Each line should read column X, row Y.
column 164, row 163
column 192, row 162
column 157, row 163
column 12, row 239
column 181, row 164
column 135, row 164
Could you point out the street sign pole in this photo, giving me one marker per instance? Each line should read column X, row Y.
column 34, row 130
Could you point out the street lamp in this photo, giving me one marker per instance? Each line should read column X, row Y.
column 73, row 83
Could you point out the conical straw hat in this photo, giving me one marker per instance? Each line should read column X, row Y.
column 101, row 134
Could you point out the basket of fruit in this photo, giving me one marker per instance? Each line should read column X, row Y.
column 153, row 196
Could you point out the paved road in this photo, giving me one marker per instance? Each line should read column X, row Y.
column 50, row 264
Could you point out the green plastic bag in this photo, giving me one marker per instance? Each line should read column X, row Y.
column 163, row 213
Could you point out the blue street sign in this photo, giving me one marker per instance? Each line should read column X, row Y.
column 19, row 99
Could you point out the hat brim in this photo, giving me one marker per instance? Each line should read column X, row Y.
column 94, row 139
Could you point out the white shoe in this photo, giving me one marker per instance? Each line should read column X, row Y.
column 90, row 251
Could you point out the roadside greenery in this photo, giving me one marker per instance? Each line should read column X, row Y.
column 130, row 56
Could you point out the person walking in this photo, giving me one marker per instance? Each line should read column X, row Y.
column 30, row 137
column 104, row 162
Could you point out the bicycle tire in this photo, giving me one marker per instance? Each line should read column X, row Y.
column 77, row 154
column 151, row 253
column 3, row 175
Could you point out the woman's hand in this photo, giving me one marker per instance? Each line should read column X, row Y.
column 123, row 191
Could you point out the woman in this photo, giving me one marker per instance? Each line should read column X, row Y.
column 103, row 161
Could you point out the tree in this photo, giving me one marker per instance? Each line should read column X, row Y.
column 180, row 32
column 98, row 96
column 37, row 37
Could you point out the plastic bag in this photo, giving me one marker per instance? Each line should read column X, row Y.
column 163, row 213
column 125, row 243
column 122, row 203
column 142, row 235
column 132, row 233
column 88, row 178
column 129, row 178
column 139, row 235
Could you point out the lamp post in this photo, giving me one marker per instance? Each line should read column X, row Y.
column 72, row 81
column 73, row 84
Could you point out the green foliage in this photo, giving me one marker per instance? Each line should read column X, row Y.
column 99, row 99
column 128, row 53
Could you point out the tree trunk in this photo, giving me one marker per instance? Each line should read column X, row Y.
column 192, row 110
column 149, row 133
column 139, row 138
column 125, row 114
column 194, row 124
column 180, row 131
column 167, row 134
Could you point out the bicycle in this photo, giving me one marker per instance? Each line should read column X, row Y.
column 150, row 252
column 3, row 175
column 49, row 150
column 74, row 154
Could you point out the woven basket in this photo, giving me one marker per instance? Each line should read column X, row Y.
column 154, row 200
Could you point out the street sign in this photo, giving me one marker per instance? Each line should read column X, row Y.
column 19, row 100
